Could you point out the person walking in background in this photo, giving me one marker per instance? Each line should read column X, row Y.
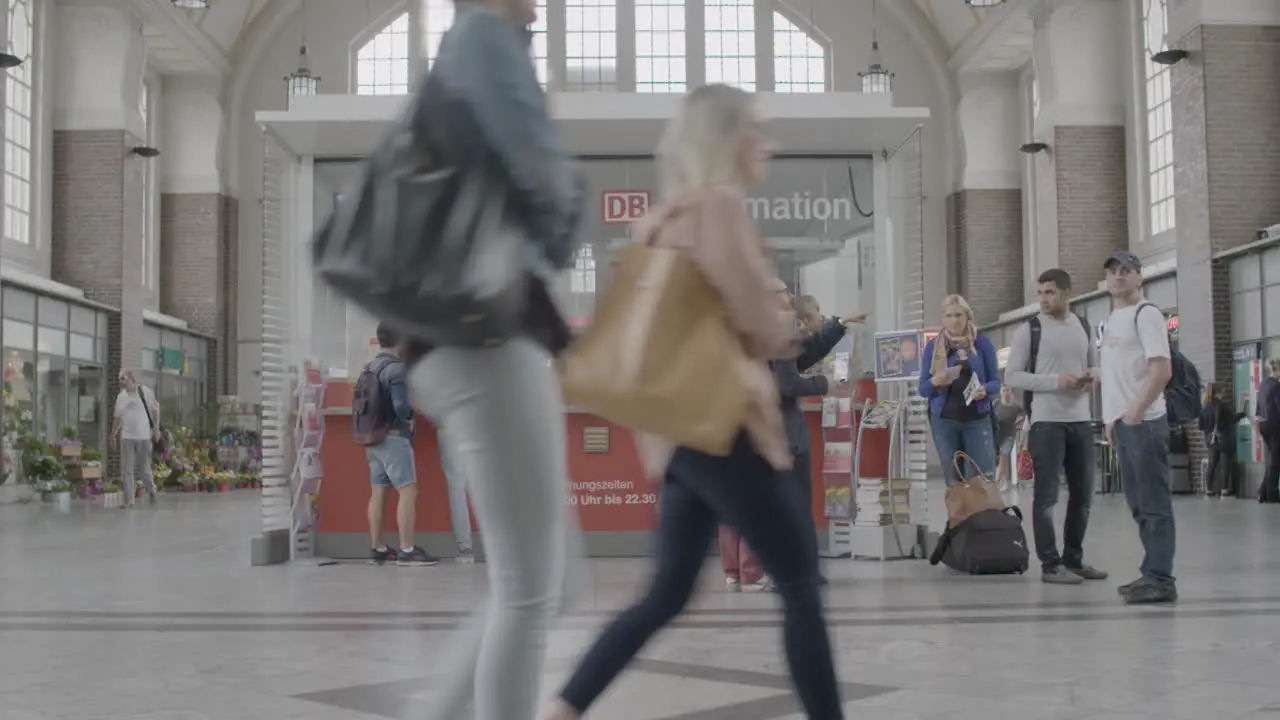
column 712, row 150
column 499, row 409
column 1052, row 360
column 1136, row 367
column 1269, row 429
column 459, row 510
column 391, row 461
column 1218, row 424
column 134, row 427
column 959, row 376
column 1005, row 415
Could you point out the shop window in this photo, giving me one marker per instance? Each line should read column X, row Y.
column 103, row 325
column 20, row 381
column 731, row 42
column 51, row 341
column 51, row 395
column 87, row 384
column 660, row 46
column 82, row 347
column 1271, row 266
column 1245, row 273
column 83, row 320
column 19, row 335
column 1271, row 310
column 19, row 305
column 1162, row 293
column 591, row 45
column 1246, row 315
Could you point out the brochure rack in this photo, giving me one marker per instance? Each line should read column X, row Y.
column 838, row 451
column 308, row 472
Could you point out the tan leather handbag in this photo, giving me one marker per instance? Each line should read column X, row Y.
column 970, row 495
column 659, row 356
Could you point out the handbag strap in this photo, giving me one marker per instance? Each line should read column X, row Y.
column 146, row 407
column 957, row 461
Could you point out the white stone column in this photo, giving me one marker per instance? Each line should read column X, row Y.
column 190, row 132
column 99, row 68
column 1081, row 180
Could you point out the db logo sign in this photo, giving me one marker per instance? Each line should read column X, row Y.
column 619, row 207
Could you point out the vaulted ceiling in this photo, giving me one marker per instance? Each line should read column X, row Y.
column 203, row 41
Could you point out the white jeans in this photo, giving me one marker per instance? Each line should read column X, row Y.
column 135, row 464
column 459, row 514
column 500, row 414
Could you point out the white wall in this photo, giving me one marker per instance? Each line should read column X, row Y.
column 911, row 52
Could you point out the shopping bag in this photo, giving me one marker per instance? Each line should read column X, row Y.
column 1026, row 467
column 973, row 494
column 659, row 356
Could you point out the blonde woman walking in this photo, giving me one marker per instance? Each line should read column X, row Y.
column 712, row 152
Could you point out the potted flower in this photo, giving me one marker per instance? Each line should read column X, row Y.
column 161, row 472
column 69, row 445
column 88, row 468
column 112, row 495
column 60, row 493
column 43, row 471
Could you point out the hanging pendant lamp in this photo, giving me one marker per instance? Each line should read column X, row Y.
column 877, row 79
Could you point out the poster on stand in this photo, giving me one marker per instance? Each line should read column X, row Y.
column 897, row 355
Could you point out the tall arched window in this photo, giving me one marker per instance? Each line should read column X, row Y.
column 19, row 109
column 591, row 45
column 382, row 65
column 799, row 61
column 731, row 42
column 1155, row 23
column 660, row 46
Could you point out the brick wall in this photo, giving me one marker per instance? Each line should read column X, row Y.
column 1092, row 198
column 1226, row 118
column 984, row 229
column 97, row 236
column 228, row 339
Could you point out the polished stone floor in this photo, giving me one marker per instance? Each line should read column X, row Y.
column 157, row 615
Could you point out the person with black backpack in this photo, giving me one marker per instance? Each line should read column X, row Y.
column 1146, row 390
column 382, row 422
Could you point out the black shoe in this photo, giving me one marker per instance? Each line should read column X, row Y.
column 415, row 557
column 1147, row 594
column 1128, row 588
column 381, row 557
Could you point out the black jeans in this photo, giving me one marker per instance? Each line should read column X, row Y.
column 743, row 491
column 802, row 486
column 1223, row 457
column 1067, row 448
column 1270, row 490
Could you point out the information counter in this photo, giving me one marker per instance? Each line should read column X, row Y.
column 616, row 505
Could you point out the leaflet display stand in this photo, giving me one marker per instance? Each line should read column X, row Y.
column 308, row 471
column 890, row 510
column 837, row 454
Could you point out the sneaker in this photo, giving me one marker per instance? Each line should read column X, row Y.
column 466, row 556
column 1147, row 594
column 1058, row 575
column 1128, row 587
column 380, row 557
column 1089, row 573
column 415, row 557
column 151, row 498
column 761, row 585
column 733, row 584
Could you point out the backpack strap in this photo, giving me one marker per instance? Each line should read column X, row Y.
column 1034, row 326
column 1135, row 315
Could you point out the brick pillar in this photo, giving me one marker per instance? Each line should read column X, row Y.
column 97, row 234
column 1226, row 121
column 1092, row 196
column 984, row 230
column 228, row 339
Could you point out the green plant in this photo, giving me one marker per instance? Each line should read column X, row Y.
column 91, row 454
column 44, row 469
column 112, row 487
column 61, row 486
column 69, row 433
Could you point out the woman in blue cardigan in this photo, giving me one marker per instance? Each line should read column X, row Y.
column 959, row 376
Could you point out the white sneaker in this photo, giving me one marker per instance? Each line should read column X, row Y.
column 764, row 584
column 466, row 557
column 732, row 584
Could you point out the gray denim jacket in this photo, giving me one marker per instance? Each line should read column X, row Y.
column 497, row 112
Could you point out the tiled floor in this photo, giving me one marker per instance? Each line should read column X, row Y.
column 157, row 615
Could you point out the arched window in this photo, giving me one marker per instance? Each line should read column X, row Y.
column 660, row 46
column 382, row 65
column 591, row 45
column 1155, row 24
column 731, row 42
column 19, row 109
column 799, row 60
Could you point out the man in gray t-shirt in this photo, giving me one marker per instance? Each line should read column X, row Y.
column 1052, row 360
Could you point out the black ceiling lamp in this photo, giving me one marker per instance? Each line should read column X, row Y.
column 190, row 4
column 1169, row 57
column 8, row 60
column 1033, row 147
column 145, row 151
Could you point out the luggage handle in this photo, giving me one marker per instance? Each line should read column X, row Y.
column 957, row 461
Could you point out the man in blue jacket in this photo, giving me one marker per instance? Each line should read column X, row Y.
column 822, row 335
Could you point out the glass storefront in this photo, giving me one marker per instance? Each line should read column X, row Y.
column 175, row 365
column 1255, row 339
column 55, row 354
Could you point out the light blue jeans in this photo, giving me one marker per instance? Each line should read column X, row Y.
column 976, row 438
column 459, row 513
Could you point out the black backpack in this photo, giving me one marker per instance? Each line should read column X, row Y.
column 370, row 417
column 1182, row 396
column 988, row 542
column 1036, row 329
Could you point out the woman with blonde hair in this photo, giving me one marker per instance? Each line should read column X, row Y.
column 711, row 153
column 959, row 376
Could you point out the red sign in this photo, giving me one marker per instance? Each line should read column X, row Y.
column 619, row 207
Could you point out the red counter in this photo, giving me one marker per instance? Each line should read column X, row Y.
column 615, row 502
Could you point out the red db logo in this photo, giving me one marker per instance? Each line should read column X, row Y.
column 619, row 207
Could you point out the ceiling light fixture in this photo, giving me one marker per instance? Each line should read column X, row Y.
column 877, row 79
column 1169, row 57
column 983, row 3
column 300, row 82
column 1033, row 147
column 190, row 4
column 144, row 151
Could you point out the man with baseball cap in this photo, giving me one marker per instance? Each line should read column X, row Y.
column 1136, row 367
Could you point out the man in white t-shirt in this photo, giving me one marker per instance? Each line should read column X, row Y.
column 1136, row 367
column 135, row 426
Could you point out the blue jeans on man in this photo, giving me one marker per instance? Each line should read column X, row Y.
column 1143, row 454
column 975, row 438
